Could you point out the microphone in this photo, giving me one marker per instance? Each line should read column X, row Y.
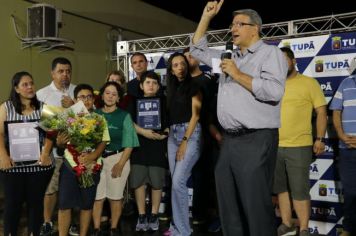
column 228, row 51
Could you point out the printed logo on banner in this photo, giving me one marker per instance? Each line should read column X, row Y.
column 322, row 228
column 331, row 65
column 326, row 87
column 329, row 85
column 326, row 211
column 343, row 43
column 319, row 167
column 336, row 43
column 339, row 43
column 305, row 47
column 329, row 149
column 319, row 66
column 327, row 190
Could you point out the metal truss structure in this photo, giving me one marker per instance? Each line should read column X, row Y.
column 283, row 30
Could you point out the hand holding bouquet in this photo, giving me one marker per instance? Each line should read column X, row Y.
column 85, row 131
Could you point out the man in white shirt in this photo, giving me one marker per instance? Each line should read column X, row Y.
column 60, row 92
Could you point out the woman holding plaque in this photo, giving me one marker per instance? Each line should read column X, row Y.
column 25, row 162
column 184, row 103
column 149, row 161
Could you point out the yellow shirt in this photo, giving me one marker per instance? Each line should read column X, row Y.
column 302, row 95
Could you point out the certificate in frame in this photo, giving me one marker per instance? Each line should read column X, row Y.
column 23, row 140
column 149, row 113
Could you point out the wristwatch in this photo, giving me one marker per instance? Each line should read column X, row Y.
column 321, row 139
column 185, row 138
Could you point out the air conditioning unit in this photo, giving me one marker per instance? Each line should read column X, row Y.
column 42, row 21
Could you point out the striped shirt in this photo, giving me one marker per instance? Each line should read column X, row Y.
column 237, row 106
column 12, row 115
column 345, row 100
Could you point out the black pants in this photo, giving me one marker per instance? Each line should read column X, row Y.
column 347, row 170
column 26, row 188
column 244, row 174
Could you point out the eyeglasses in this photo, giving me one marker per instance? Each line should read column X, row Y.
column 83, row 97
column 240, row 25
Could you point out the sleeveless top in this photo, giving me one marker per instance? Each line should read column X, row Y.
column 12, row 115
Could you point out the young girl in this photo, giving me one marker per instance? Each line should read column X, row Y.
column 149, row 162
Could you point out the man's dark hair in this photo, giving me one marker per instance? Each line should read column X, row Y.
column 138, row 54
column 289, row 52
column 152, row 75
column 81, row 87
column 60, row 60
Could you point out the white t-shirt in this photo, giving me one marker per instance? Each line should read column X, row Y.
column 52, row 96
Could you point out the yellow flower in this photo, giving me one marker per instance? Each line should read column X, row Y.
column 84, row 131
column 89, row 123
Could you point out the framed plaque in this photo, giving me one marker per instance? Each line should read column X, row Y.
column 149, row 113
column 23, row 140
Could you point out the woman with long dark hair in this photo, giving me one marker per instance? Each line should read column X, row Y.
column 184, row 104
column 23, row 181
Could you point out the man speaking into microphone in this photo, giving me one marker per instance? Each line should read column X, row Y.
column 249, row 111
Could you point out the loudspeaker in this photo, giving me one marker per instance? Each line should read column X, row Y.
column 122, row 47
column 42, row 21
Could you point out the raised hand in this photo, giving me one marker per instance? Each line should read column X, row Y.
column 212, row 8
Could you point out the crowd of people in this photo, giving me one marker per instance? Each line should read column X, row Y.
column 244, row 135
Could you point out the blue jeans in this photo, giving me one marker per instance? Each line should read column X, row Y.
column 347, row 171
column 180, row 172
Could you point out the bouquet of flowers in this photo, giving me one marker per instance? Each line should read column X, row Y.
column 85, row 132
